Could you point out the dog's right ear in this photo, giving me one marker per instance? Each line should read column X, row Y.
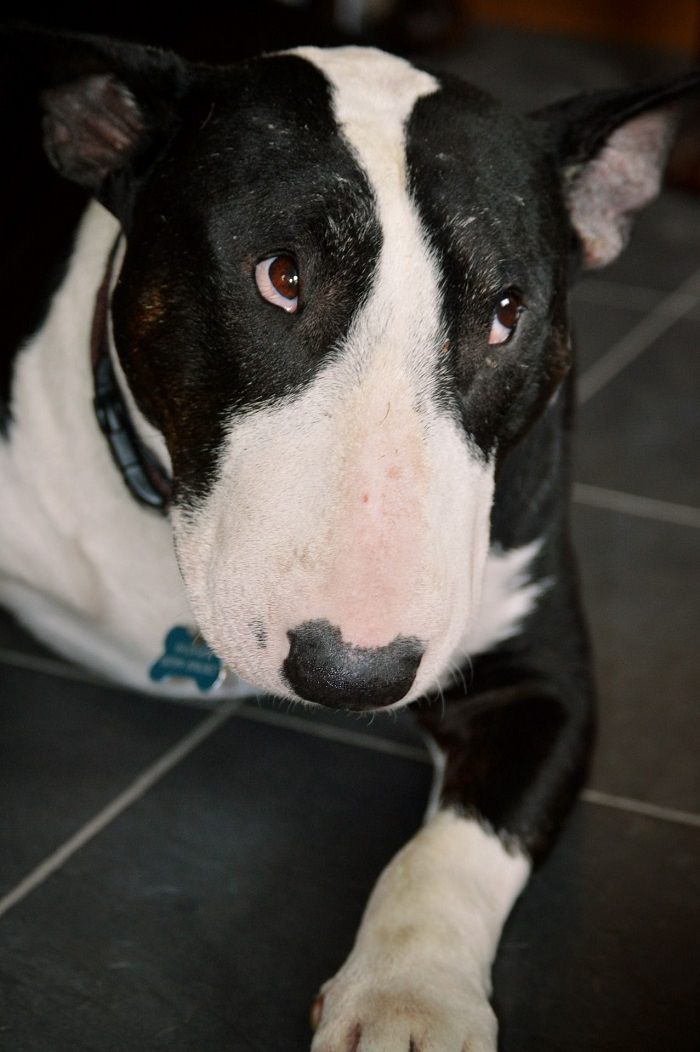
column 108, row 107
column 610, row 148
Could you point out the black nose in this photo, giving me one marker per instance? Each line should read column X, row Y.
column 321, row 667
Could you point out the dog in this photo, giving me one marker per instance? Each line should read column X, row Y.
column 306, row 389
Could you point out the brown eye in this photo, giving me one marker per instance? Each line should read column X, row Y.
column 277, row 278
column 505, row 320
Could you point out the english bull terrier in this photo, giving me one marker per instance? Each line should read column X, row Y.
column 306, row 388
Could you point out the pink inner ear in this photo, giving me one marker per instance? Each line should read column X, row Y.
column 605, row 193
column 91, row 127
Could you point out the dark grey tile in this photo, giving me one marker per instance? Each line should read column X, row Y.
column 601, row 952
column 595, row 290
column 66, row 749
column 640, row 587
column 208, row 915
column 596, row 327
column 641, row 433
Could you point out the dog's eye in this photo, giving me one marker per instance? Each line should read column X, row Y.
column 505, row 320
column 277, row 278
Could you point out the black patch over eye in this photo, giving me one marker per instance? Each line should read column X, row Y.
column 277, row 279
column 505, row 319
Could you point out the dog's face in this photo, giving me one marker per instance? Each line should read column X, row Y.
column 337, row 322
column 342, row 301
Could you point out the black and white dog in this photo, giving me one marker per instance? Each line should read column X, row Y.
column 320, row 303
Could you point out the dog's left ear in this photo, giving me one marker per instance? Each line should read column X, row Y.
column 92, row 127
column 107, row 107
column 611, row 148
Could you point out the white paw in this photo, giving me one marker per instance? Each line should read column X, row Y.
column 417, row 979
column 362, row 1014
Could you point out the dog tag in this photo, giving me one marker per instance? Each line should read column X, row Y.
column 188, row 658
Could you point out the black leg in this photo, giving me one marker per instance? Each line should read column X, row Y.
column 516, row 746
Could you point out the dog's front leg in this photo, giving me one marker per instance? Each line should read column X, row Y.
column 418, row 977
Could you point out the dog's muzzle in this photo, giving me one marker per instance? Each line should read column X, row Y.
column 323, row 668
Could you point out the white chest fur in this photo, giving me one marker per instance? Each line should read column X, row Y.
column 81, row 562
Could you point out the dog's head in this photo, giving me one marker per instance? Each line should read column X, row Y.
column 342, row 301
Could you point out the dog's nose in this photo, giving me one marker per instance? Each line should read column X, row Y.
column 322, row 667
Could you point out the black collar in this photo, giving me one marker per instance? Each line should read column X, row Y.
column 144, row 476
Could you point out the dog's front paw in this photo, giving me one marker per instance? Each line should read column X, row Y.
column 362, row 1014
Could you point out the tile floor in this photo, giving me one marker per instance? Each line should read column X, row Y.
column 183, row 879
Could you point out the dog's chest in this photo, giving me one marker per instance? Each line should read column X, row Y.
column 80, row 562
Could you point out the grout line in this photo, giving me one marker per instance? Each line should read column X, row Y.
column 632, row 504
column 338, row 734
column 50, row 666
column 591, row 796
column 658, row 321
column 138, row 788
column 153, row 774
column 596, row 292
column 74, row 674
column 335, row 734
column 640, row 807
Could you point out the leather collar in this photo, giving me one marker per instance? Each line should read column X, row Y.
column 143, row 474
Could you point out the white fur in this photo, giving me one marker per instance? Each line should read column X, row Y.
column 508, row 596
column 355, row 501
column 420, row 967
column 81, row 563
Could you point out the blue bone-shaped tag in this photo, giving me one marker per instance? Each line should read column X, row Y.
column 188, row 658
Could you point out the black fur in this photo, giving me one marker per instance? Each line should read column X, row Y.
column 517, row 724
column 282, row 181
column 460, row 149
